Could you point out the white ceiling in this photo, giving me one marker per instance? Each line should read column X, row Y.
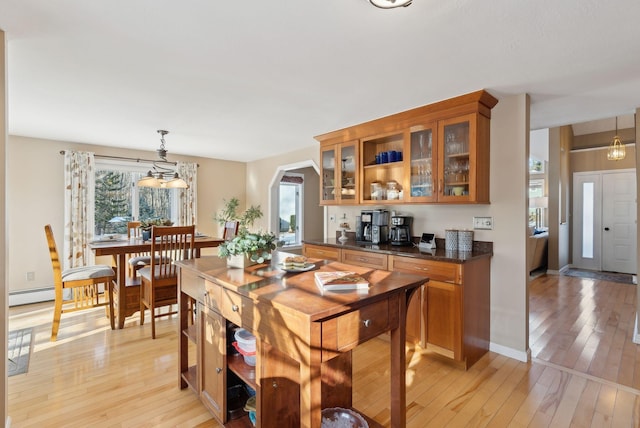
column 243, row 80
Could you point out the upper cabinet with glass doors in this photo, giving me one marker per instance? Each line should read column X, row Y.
column 438, row 153
column 339, row 179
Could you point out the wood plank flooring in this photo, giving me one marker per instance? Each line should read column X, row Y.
column 585, row 371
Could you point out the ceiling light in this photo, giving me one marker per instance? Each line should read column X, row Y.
column 162, row 176
column 390, row 4
column 616, row 150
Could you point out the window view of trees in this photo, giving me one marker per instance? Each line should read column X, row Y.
column 118, row 200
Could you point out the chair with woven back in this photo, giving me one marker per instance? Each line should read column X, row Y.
column 84, row 285
column 137, row 260
column 159, row 286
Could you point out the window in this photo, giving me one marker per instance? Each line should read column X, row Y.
column 118, row 199
column 290, row 212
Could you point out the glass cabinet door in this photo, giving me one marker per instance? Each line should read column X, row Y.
column 348, row 177
column 422, row 167
column 328, row 176
column 456, row 172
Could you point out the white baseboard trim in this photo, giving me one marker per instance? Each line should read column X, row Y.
column 523, row 356
column 35, row 295
column 8, row 423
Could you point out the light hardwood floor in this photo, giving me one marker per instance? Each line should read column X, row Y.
column 584, row 373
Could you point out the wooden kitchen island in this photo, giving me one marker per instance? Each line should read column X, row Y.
column 304, row 337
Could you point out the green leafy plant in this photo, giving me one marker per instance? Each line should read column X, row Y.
column 255, row 245
column 149, row 223
column 230, row 213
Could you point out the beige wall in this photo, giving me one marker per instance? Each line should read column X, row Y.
column 3, row 224
column 596, row 160
column 35, row 197
column 260, row 175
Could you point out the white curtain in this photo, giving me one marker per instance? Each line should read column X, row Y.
column 79, row 198
column 188, row 207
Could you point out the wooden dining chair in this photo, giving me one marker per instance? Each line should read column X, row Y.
column 136, row 260
column 159, row 286
column 230, row 230
column 84, row 285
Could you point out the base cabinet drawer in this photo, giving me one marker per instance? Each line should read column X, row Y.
column 236, row 308
column 365, row 258
column 440, row 271
column 321, row 252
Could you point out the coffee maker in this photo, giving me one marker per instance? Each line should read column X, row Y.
column 400, row 233
column 380, row 227
column 363, row 227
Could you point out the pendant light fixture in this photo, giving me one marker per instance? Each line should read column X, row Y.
column 616, row 150
column 390, row 4
column 162, row 176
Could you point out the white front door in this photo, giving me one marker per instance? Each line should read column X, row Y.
column 604, row 221
column 619, row 224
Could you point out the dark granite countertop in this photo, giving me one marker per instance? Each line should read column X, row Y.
column 480, row 249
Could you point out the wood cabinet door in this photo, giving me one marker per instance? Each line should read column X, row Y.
column 279, row 404
column 339, row 177
column 444, row 318
column 422, row 170
column 213, row 342
column 328, row 174
column 457, row 163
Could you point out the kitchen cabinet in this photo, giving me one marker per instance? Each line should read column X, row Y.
column 456, row 305
column 304, row 341
column 340, row 182
column 438, row 153
column 380, row 261
column 383, row 168
column 207, row 339
column 450, row 314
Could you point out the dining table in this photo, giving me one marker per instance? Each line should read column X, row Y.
column 126, row 292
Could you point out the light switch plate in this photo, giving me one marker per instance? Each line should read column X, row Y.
column 483, row 223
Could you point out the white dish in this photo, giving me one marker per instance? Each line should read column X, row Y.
column 307, row 267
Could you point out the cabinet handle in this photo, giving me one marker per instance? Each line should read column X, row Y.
column 219, row 370
column 235, row 308
column 366, row 323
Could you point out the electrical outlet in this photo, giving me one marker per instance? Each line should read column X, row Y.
column 483, row 223
column 31, row 276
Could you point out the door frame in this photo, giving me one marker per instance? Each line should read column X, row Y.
column 274, row 193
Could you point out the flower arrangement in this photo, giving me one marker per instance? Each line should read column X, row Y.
column 149, row 223
column 255, row 245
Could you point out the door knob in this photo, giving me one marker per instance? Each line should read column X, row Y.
column 606, row 228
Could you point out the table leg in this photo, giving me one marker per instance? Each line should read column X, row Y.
column 398, row 367
column 122, row 291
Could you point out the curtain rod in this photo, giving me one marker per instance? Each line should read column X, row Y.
column 62, row 152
